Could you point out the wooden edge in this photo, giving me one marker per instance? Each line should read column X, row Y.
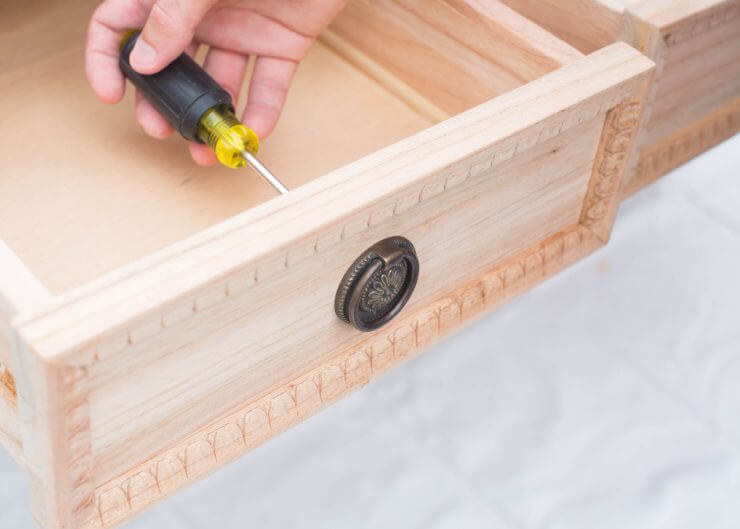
column 41, row 404
column 20, row 291
column 257, row 422
column 55, row 432
column 268, row 234
column 588, row 25
column 457, row 53
column 653, row 27
column 670, row 15
column 383, row 77
column 521, row 34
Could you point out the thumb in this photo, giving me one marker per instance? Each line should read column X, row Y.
column 167, row 32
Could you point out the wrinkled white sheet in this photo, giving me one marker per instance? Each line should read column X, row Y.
column 608, row 397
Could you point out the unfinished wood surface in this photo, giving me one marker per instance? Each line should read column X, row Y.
column 55, row 436
column 383, row 77
column 20, row 291
column 586, row 24
column 457, row 53
column 694, row 102
column 102, row 194
column 238, row 432
column 506, row 179
column 34, row 29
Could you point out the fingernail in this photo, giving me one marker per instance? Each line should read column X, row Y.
column 143, row 54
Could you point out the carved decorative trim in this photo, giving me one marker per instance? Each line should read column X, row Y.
column 699, row 24
column 237, row 283
column 679, row 148
column 614, row 149
column 259, row 421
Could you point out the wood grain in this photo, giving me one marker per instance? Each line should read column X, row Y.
column 695, row 45
column 588, row 25
column 258, row 421
column 63, row 160
column 456, row 53
column 383, row 77
column 193, row 315
column 20, row 291
column 693, row 102
column 55, row 434
column 244, row 308
column 665, row 155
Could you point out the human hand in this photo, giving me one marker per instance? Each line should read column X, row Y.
column 278, row 32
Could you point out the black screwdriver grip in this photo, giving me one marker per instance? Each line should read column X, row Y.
column 182, row 92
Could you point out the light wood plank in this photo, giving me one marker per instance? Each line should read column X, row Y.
column 382, row 76
column 20, row 291
column 258, row 421
column 693, row 103
column 457, row 53
column 586, row 24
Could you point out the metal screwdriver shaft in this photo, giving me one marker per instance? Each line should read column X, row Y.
column 255, row 164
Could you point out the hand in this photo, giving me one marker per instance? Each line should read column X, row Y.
column 278, row 32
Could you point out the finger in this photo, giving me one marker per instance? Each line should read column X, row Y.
column 151, row 121
column 110, row 21
column 202, row 154
column 192, row 49
column 250, row 33
column 167, row 32
column 227, row 68
column 267, row 92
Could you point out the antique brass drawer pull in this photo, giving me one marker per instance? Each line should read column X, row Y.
column 378, row 284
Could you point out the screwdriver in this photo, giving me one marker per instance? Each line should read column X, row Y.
column 198, row 108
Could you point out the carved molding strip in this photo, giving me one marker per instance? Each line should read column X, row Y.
column 658, row 159
column 614, row 149
column 477, row 167
column 259, row 421
column 699, row 24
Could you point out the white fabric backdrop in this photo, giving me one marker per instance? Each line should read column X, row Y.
column 608, row 397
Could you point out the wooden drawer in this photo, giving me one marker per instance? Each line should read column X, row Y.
column 160, row 319
column 694, row 102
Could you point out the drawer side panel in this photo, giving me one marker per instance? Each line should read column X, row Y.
column 19, row 291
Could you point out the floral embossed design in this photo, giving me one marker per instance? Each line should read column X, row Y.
column 384, row 289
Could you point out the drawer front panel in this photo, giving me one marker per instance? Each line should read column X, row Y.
column 250, row 341
column 194, row 356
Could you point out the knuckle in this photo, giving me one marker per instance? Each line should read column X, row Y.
column 177, row 14
column 162, row 20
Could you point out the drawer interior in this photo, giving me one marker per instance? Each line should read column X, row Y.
column 84, row 191
column 586, row 24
